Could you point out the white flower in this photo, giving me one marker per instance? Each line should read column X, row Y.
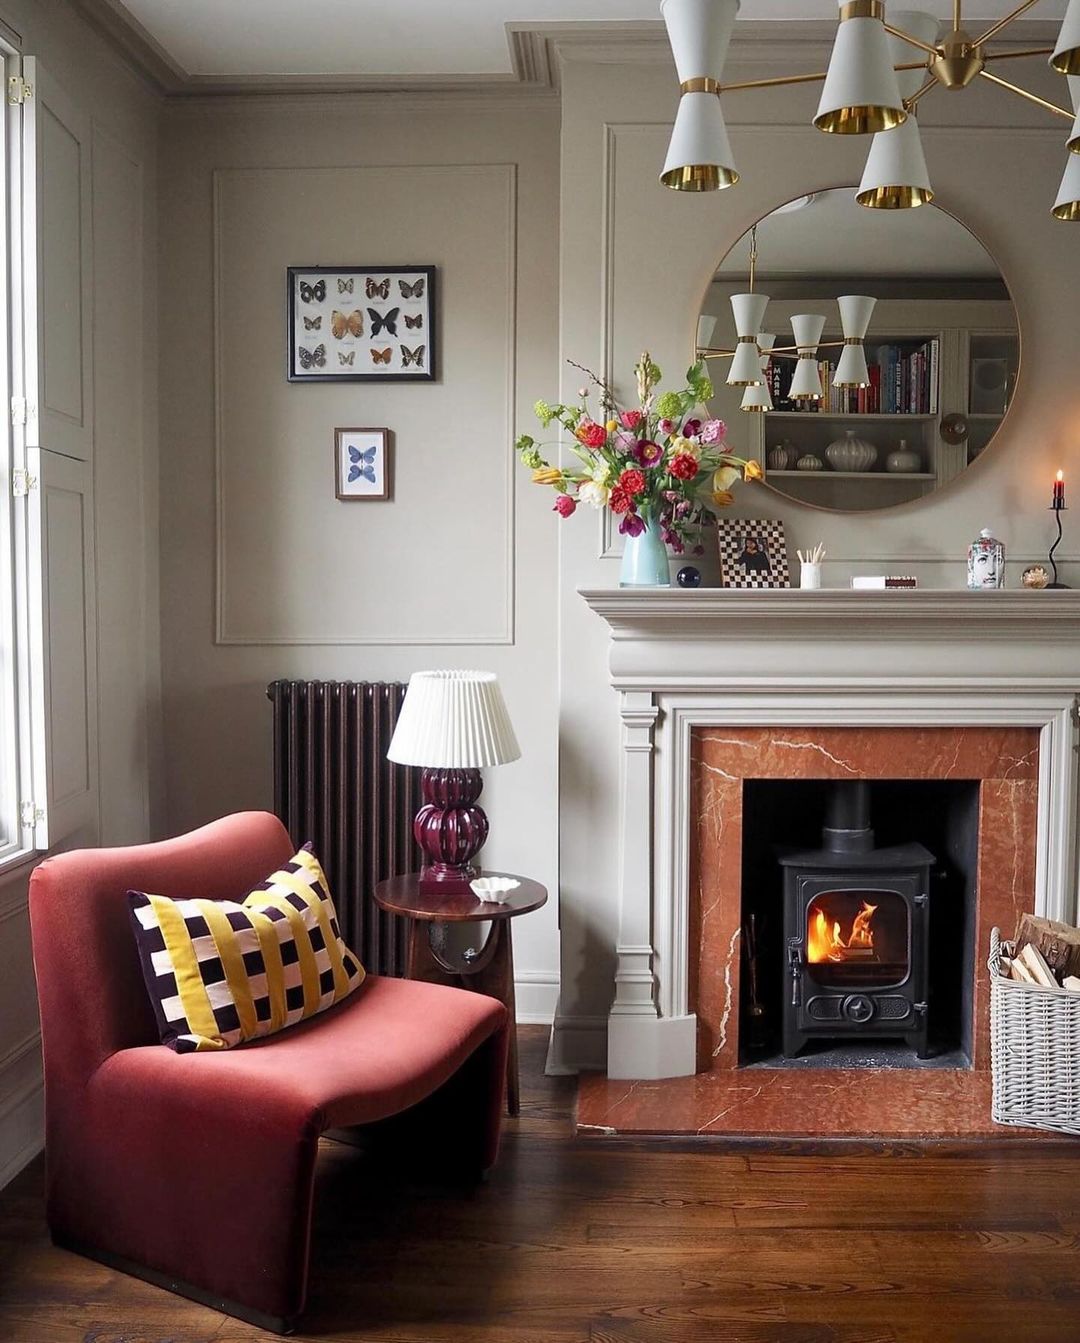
column 601, row 472
column 592, row 492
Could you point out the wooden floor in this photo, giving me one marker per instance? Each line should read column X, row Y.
column 629, row 1241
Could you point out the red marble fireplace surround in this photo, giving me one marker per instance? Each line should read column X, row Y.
column 723, row 1098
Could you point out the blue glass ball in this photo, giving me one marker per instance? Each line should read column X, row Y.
column 688, row 577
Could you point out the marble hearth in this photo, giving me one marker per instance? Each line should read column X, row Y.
column 717, row 688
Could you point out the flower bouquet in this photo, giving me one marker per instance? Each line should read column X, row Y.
column 661, row 469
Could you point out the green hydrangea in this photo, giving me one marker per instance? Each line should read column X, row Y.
column 544, row 413
column 669, row 406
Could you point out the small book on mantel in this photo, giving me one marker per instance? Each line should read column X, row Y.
column 879, row 581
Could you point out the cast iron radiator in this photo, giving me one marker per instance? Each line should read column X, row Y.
column 334, row 786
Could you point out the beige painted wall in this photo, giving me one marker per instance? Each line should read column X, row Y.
column 456, row 570
column 635, row 262
column 123, row 268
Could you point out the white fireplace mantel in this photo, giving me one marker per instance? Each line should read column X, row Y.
column 784, row 657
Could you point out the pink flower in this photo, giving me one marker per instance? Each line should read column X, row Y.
column 713, row 431
column 648, row 453
column 691, row 428
column 564, row 505
column 668, row 426
column 631, row 525
column 631, row 418
column 683, row 466
column 590, row 433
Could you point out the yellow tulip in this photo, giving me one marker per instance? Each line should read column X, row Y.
column 753, row 471
column 725, row 477
column 723, row 498
column 547, row 475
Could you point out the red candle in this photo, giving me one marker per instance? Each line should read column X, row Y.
column 1059, row 491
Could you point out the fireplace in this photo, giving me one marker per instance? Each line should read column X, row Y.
column 856, row 933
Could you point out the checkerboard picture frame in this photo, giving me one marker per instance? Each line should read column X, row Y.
column 743, row 542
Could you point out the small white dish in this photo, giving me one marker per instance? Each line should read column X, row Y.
column 494, row 890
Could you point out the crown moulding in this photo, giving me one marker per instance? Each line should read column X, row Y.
column 536, row 52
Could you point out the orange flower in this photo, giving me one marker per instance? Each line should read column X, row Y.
column 723, row 498
column 753, row 471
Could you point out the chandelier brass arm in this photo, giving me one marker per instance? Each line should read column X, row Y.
column 711, row 352
column 992, row 32
column 780, row 81
column 1026, row 93
column 913, row 42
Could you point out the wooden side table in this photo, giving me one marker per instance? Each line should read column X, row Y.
column 486, row 969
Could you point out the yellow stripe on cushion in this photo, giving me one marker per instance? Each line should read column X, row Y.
column 189, row 985
column 318, row 907
column 266, row 932
column 232, row 962
column 309, row 971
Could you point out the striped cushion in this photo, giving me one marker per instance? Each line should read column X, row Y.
column 220, row 973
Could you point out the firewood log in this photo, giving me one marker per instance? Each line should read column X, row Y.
column 1059, row 943
column 1041, row 973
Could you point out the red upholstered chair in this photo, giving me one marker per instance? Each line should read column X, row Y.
column 196, row 1170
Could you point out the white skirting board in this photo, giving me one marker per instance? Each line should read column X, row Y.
column 22, row 1130
column 537, row 995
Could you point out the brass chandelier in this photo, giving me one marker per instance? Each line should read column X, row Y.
column 869, row 89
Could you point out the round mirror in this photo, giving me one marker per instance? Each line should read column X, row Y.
column 888, row 350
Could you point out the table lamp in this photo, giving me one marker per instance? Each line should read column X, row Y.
column 452, row 724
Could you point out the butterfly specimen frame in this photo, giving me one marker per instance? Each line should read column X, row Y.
column 362, row 464
column 361, row 324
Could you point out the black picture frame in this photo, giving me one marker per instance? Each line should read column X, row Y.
column 401, row 367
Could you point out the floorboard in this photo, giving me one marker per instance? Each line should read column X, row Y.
column 628, row 1241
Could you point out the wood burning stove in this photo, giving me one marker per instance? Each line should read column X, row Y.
column 856, row 922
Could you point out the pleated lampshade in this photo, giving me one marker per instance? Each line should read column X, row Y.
column 453, row 720
column 861, row 94
column 699, row 156
column 1066, row 57
column 895, row 177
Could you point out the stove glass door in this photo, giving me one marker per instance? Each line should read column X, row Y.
column 858, row 939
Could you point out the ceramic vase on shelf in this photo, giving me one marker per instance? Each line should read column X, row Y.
column 645, row 558
column 850, row 453
column 780, row 458
column 903, row 461
column 986, row 562
column 808, row 462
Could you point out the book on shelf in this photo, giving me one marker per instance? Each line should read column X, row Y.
column 903, row 381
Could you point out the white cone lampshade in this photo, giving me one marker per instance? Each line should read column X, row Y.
column 706, row 332
column 1067, row 205
column 855, row 313
column 806, row 382
column 749, row 312
column 861, row 94
column 896, row 177
column 453, row 720
column 1066, row 57
column 1074, row 135
column 759, row 398
column 699, row 155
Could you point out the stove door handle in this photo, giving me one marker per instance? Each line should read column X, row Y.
column 794, row 955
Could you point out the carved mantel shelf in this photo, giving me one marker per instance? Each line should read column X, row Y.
column 789, row 613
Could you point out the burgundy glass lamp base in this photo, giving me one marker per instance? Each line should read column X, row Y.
column 450, row 827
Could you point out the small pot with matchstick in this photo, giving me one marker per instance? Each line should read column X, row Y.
column 810, row 562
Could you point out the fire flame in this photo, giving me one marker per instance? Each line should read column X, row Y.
column 826, row 944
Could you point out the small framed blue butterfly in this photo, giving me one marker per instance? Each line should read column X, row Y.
column 362, row 463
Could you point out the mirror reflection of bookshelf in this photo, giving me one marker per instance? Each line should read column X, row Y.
column 896, row 413
column 993, row 365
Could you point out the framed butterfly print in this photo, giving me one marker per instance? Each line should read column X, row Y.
column 362, row 463
column 361, row 324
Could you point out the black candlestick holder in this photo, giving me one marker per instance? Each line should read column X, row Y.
column 1057, row 509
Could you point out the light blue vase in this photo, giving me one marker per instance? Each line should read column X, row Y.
column 645, row 560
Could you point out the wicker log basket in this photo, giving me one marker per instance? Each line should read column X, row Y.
column 1034, row 1050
